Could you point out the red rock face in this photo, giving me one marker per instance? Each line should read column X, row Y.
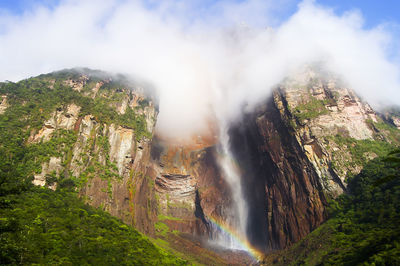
column 188, row 185
column 281, row 187
column 284, row 196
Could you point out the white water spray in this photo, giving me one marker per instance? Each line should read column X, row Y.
column 237, row 215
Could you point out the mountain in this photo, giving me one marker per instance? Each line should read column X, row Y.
column 89, row 137
column 300, row 148
column 50, row 225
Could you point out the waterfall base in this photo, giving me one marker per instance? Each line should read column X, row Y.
column 225, row 238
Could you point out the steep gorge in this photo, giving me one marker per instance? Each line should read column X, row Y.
column 293, row 153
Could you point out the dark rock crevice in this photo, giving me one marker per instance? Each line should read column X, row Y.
column 199, row 212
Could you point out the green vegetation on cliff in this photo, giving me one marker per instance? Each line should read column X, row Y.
column 311, row 109
column 45, row 227
column 33, row 100
column 364, row 224
column 353, row 154
column 360, row 150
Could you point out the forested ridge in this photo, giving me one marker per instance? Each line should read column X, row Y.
column 46, row 227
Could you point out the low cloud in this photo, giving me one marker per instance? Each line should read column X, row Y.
column 204, row 60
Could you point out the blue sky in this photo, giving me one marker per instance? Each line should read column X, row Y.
column 374, row 11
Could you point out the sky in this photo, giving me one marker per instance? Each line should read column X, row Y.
column 374, row 12
column 207, row 59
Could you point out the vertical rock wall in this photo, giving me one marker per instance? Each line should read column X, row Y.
column 284, row 196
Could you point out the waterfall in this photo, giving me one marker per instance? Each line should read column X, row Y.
column 231, row 232
column 236, row 218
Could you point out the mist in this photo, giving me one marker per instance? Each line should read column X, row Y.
column 203, row 62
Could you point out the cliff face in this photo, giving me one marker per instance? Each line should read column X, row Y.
column 189, row 185
column 108, row 159
column 284, row 195
column 3, row 104
column 294, row 151
column 129, row 195
column 336, row 129
column 109, row 152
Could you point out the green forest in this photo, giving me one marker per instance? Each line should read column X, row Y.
column 39, row 226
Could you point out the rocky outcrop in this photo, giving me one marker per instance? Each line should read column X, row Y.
column 77, row 84
column 340, row 111
column 86, row 127
column 96, row 88
column 396, row 122
column 319, row 107
column 3, row 104
column 50, row 169
column 121, row 107
column 122, row 142
column 393, row 116
column 188, row 185
column 62, row 118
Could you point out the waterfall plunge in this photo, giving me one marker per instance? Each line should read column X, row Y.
column 235, row 223
column 237, row 215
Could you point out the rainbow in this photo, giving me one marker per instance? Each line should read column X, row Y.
column 243, row 242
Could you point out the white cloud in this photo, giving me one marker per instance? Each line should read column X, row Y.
column 218, row 60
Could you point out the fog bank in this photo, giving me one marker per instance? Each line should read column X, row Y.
column 201, row 60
